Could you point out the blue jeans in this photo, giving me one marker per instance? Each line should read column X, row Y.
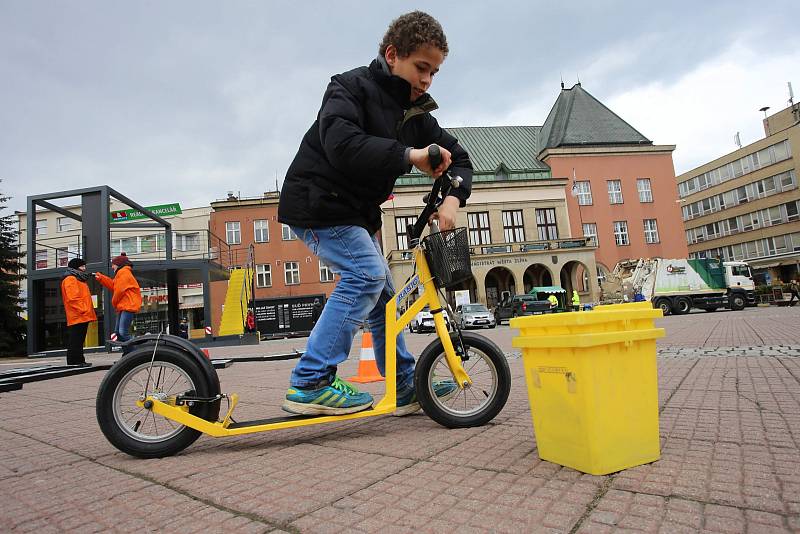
column 362, row 293
column 123, row 326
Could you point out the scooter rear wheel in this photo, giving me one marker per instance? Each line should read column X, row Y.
column 138, row 431
column 475, row 404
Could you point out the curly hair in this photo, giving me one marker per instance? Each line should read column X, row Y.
column 410, row 31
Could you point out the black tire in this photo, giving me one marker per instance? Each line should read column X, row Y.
column 665, row 305
column 737, row 302
column 188, row 378
column 411, row 328
column 682, row 306
column 481, row 351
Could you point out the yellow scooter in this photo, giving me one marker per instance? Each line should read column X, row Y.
column 159, row 397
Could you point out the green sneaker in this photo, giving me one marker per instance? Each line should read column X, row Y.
column 407, row 403
column 337, row 398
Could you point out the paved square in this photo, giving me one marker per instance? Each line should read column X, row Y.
column 729, row 402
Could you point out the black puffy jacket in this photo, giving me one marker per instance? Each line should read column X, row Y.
column 354, row 152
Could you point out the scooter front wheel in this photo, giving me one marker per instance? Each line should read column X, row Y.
column 475, row 404
column 136, row 430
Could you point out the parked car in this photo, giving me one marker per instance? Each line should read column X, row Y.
column 423, row 322
column 519, row 305
column 474, row 315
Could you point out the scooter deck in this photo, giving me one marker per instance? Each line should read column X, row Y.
column 218, row 429
column 282, row 419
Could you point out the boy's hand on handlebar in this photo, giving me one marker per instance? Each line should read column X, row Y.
column 446, row 214
column 419, row 158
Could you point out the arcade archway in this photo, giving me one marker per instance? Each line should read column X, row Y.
column 537, row 275
column 498, row 281
column 575, row 276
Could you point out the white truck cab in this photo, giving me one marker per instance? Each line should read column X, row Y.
column 738, row 274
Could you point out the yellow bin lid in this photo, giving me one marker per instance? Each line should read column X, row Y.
column 603, row 319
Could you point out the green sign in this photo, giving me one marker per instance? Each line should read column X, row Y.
column 162, row 210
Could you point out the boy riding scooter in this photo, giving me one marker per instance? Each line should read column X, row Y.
column 373, row 125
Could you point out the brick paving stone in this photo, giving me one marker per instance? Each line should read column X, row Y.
column 469, row 497
column 415, row 436
column 752, row 476
column 286, row 483
column 21, row 455
column 623, row 510
column 91, row 498
column 758, row 428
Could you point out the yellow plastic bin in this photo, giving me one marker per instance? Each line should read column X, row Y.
column 593, row 386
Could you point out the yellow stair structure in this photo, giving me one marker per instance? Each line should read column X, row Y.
column 237, row 300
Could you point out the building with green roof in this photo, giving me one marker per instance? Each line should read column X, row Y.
column 525, row 229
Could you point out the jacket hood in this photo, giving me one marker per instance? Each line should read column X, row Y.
column 397, row 87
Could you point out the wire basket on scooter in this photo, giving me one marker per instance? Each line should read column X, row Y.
column 448, row 256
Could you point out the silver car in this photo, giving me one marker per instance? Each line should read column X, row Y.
column 474, row 316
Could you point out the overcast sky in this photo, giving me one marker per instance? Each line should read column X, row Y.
column 181, row 101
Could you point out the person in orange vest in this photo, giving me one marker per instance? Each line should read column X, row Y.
column 79, row 309
column 127, row 298
column 250, row 321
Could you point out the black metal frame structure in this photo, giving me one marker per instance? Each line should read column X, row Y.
column 96, row 251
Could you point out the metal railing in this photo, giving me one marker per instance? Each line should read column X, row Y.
column 54, row 252
column 247, row 295
column 507, row 248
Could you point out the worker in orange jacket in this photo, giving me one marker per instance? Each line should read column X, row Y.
column 79, row 309
column 127, row 297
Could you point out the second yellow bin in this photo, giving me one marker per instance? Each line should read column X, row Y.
column 593, row 386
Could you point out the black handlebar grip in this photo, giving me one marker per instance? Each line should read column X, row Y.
column 434, row 156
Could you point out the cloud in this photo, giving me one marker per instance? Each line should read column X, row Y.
column 182, row 101
column 701, row 111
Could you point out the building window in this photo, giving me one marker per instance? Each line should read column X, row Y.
column 186, row 242
column 149, row 243
column 650, row 231
column 41, row 227
column 614, row 191
column 590, row 231
column 233, row 232
column 479, row 233
column 41, row 259
column 621, row 233
column 400, row 224
column 583, row 192
column 546, row 224
column 325, row 274
column 513, row 229
column 62, row 257
column 287, row 234
column 264, row 275
column 64, row 224
column 261, row 230
column 645, row 192
column 291, row 273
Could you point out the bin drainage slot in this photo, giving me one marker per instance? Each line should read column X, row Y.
column 572, row 386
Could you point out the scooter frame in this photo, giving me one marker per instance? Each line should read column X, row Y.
column 171, row 409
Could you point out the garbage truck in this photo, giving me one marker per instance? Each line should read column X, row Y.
column 678, row 285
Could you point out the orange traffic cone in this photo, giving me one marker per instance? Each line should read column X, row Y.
column 367, row 368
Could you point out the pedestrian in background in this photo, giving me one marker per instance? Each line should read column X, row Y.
column 576, row 301
column 794, row 289
column 79, row 309
column 127, row 296
column 316, row 311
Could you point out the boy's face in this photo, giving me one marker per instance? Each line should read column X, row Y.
column 418, row 68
